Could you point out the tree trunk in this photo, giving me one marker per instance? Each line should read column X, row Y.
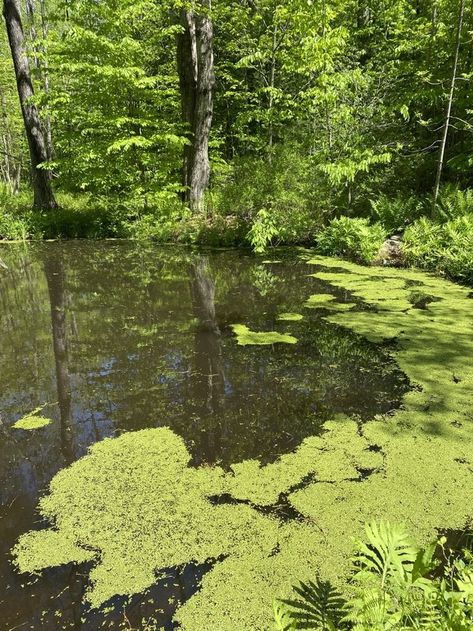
column 41, row 178
column 196, row 79
column 443, row 142
column 41, row 62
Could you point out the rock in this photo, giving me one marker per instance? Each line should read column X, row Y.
column 390, row 253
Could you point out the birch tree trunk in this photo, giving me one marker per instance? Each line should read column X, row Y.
column 196, row 79
column 41, row 178
column 448, row 114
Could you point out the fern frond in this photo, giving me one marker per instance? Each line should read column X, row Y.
column 388, row 554
column 320, row 606
column 282, row 617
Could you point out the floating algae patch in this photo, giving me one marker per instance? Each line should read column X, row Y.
column 319, row 300
column 31, row 422
column 327, row 302
column 290, row 317
column 428, row 443
column 135, row 501
column 245, row 337
column 134, row 507
column 337, row 455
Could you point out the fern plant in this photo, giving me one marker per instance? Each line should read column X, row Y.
column 454, row 202
column 393, row 588
column 320, row 607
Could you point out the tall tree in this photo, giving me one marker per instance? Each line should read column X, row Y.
column 195, row 62
column 41, row 177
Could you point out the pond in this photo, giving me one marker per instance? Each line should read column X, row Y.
column 244, row 360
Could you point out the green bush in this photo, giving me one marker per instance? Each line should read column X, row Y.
column 395, row 586
column 14, row 228
column 277, row 201
column 442, row 247
column 353, row 238
column 394, row 213
column 15, row 216
column 454, row 203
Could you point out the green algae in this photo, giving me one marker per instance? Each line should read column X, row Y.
column 319, row 300
column 135, row 507
column 327, row 302
column 31, row 422
column 290, row 317
column 245, row 337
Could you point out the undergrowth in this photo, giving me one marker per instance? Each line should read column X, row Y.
column 273, row 217
column 395, row 585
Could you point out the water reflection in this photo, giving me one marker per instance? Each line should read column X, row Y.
column 54, row 272
column 208, row 377
column 118, row 337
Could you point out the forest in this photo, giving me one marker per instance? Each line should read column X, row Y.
column 236, row 272
column 242, row 123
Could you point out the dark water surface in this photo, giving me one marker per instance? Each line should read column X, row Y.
column 116, row 337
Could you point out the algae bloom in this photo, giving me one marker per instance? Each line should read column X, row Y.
column 290, row 317
column 31, row 422
column 245, row 337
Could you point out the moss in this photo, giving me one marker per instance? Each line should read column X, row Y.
column 31, row 422
column 140, row 508
column 245, row 337
column 290, row 317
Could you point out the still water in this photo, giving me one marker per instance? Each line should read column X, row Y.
column 112, row 337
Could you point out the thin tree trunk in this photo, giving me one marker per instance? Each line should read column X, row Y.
column 41, row 178
column 272, row 83
column 47, row 119
column 196, row 79
column 448, row 114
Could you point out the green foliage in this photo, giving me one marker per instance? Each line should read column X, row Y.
column 394, row 587
column 321, row 109
column 454, row 203
column 319, row 606
column 273, row 200
column 442, row 247
column 262, row 231
column 245, row 337
column 395, row 213
column 352, row 238
column 282, row 617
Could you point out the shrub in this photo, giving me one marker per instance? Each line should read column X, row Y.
column 15, row 215
column 454, row 203
column 395, row 585
column 442, row 247
column 14, row 228
column 277, row 201
column 354, row 238
column 394, row 213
